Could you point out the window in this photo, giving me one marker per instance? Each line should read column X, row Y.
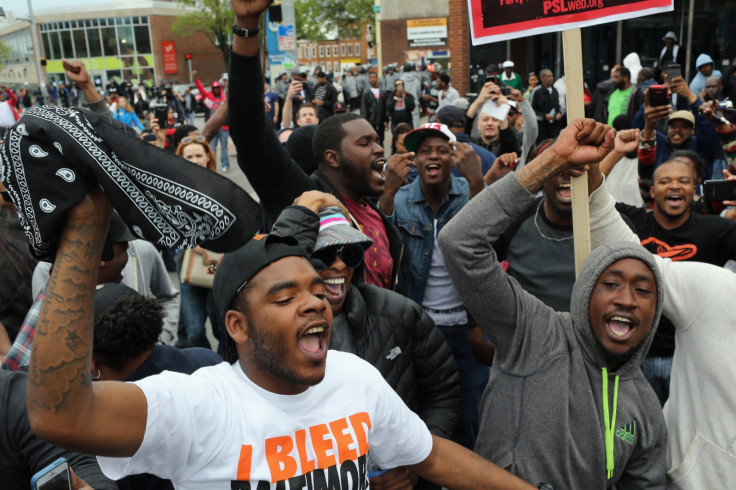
column 321, row 51
column 46, row 45
column 67, row 50
column 314, row 52
column 342, row 50
column 142, row 39
column 109, row 42
column 80, row 43
column 350, row 49
column 93, row 38
column 357, row 49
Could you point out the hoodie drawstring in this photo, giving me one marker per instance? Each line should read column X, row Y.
column 610, row 423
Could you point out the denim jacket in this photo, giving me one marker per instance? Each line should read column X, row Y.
column 414, row 217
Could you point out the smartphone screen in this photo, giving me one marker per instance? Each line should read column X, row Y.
column 162, row 114
column 673, row 71
column 55, row 476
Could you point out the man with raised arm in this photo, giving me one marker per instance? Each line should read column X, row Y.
column 566, row 401
column 699, row 301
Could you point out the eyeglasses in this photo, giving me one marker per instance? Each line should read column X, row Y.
column 351, row 256
column 196, row 139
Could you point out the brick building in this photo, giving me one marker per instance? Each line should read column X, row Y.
column 124, row 41
column 336, row 55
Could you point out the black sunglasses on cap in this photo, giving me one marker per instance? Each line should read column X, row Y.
column 351, row 256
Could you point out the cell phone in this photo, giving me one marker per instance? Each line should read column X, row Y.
column 658, row 95
column 719, row 190
column 162, row 114
column 55, row 476
column 495, row 80
column 673, row 71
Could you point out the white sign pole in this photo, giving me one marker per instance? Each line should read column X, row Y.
column 573, row 53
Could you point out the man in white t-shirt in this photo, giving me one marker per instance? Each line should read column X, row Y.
column 285, row 413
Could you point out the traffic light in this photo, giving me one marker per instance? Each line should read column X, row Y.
column 188, row 56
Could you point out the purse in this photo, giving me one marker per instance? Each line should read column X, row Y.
column 198, row 267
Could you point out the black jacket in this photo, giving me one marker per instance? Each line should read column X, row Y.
column 374, row 110
column 396, row 336
column 276, row 178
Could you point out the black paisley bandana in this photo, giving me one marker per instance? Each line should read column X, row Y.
column 52, row 156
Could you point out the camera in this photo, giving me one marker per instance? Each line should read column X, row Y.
column 658, row 95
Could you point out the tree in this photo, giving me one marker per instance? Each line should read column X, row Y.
column 319, row 19
column 212, row 17
column 4, row 53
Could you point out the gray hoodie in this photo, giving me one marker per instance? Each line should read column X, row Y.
column 542, row 413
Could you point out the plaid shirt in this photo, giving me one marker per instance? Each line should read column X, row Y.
column 19, row 356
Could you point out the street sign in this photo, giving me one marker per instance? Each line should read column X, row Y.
column 500, row 20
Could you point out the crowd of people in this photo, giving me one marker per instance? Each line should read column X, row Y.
column 410, row 314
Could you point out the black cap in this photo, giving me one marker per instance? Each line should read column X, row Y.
column 492, row 68
column 450, row 114
column 107, row 294
column 119, row 231
column 299, row 146
column 321, row 74
column 238, row 267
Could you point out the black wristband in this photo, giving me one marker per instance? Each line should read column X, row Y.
column 245, row 33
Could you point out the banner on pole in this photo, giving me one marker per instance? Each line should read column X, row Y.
column 500, row 20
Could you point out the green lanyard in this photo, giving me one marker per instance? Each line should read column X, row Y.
column 609, row 422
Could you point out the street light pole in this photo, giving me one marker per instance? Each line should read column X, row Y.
column 37, row 50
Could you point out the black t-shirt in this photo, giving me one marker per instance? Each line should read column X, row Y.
column 709, row 239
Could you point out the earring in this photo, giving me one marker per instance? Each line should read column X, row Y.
column 95, row 378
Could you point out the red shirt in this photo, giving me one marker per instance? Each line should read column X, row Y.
column 378, row 261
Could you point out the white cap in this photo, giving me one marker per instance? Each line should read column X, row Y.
column 670, row 34
column 507, row 64
column 512, row 103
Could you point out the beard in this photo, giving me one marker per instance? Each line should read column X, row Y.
column 271, row 355
column 359, row 177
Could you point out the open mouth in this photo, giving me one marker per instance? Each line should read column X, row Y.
column 313, row 342
column 620, row 327
column 433, row 169
column 675, row 200
column 335, row 288
column 377, row 169
column 564, row 191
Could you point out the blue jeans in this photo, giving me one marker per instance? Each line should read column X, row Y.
column 657, row 370
column 473, row 380
column 221, row 138
column 196, row 305
column 189, row 117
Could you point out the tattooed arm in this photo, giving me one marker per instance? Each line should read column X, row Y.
column 583, row 143
column 64, row 406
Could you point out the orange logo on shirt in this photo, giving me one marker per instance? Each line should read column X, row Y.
column 674, row 252
column 333, row 443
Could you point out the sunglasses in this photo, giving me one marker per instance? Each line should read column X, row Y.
column 196, row 139
column 351, row 256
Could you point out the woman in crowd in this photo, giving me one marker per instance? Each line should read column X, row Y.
column 533, row 81
column 399, row 133
column 126, row 115
column 197, row 303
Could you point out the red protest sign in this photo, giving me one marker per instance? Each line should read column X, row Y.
column 500, row 20
column 169, row 49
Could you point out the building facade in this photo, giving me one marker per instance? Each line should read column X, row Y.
column 131, row 41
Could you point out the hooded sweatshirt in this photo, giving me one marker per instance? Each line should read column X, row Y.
column 698, row 82
column 544, row 411
column 632, row 62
